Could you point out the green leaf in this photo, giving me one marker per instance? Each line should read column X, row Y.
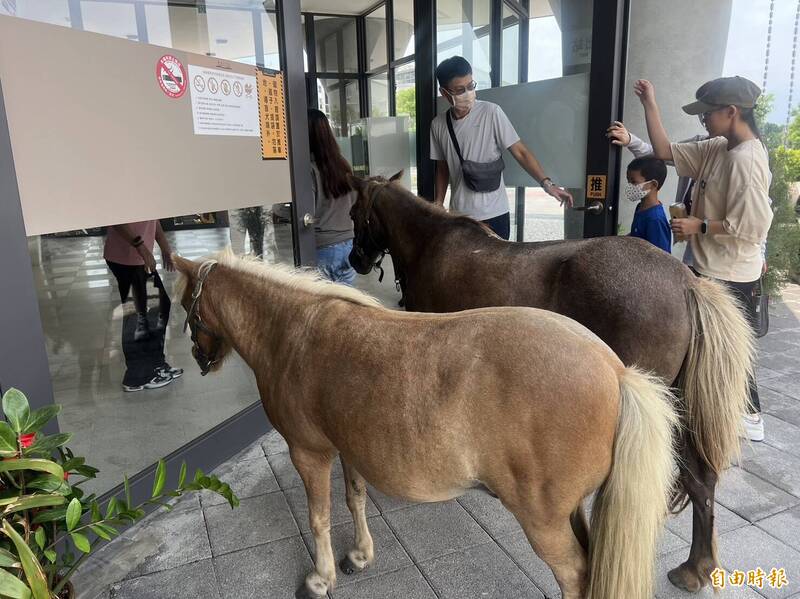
column 111, row 508
column 8, row 440
column 107, row 528
column 74, row 511
column 46, row 444
column 73, row 463
column 87, row 471
column 8, row 559
column 13, row 587
column 33, row 464
column 29, row 502
column 30, row 565
column 17, row 410
column 100, row 532
column 51, row 555
column 182, row 475
column 54, row 515
column 50, row 484
column 160, row 479
column 41, row 537
column 40, row 417
column 96, row 515
column 81, row 542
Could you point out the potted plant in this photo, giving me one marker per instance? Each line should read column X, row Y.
column 48, row 525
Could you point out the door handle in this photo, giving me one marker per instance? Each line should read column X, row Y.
column 309, row 220
column 594, row 207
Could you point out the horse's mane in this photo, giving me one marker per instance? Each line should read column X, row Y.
column 295, row 278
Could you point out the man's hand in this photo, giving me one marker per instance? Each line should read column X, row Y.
column 169, row 265
column 618, row 134
column 646, row 92
column 562, row 195
column 686, row 226
column 147, row 256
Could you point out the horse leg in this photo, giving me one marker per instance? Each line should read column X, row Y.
column 362, row 555
column 699, row 480
column 315, row 470
column 558, row 546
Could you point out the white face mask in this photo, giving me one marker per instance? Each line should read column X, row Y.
column 464, row 102
column 636, row 192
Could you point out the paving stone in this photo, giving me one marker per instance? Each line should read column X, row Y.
column 257, row 520
column 724, row 520
column 403, row 584
column 385, row 503
column 763, row 373
column 273, row 443
column 389, row 554
column 429, row 530
column 287, row 475
column 779, row 405
column 192, row 580
column 276, row 570
column 776, row 344
column 255, row 451
column 751, row 497
column 482, row 571
column 786, row 384
column 665, row 589
column 782, row 435
column 490, row 513
column 784, row 527
column 340, row 514
column 522, row 553
column 247, row 478
column 778, row 467
column 750, row 547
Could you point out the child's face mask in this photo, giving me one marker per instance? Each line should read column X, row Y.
column 636, row 192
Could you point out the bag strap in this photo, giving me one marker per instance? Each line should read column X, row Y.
column 453, row 137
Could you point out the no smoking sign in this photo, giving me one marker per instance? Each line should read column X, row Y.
column 171, row 76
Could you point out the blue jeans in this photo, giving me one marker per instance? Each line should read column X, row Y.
column 334, row 264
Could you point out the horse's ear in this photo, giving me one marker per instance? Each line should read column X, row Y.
column 397, row 176
column 184, row 266
column 356, row 183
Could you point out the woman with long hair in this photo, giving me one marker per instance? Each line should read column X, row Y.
column 730, row 214
column 333, row 198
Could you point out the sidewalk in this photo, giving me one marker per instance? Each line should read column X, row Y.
column 463, row 549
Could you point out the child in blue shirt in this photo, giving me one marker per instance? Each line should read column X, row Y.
column 646, row 175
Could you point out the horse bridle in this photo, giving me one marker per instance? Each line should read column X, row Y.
column 358, row 249
column 195, row 322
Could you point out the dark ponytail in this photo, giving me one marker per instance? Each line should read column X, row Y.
column 749, row 117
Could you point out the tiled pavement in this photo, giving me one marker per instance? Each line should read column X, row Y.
column 469, row 548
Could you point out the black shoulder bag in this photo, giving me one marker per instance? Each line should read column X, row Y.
column 479, row 176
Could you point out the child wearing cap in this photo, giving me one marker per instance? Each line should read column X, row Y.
column 731, row 214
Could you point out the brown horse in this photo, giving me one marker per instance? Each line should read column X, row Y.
column 647, row 306
column 425, row 406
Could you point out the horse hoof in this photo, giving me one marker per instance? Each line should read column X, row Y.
column 348, row 567
column 685, row 577
column 304, row 593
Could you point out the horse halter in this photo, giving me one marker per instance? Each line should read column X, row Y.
column 195, row 322
column 357, row 247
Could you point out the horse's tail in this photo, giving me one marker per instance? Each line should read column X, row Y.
column 715, row 376
column 631, row 505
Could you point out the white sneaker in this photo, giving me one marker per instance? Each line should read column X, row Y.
column 753, row 426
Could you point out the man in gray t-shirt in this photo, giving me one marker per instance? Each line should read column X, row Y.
column 483, row 132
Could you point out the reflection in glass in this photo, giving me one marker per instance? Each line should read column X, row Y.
column 269, row 35
column 376, row 38
column 379, row 95
column 336, row 44
column 92, row 346
column 510, row 67
column 462, row 29
column 406, row 104
column 230, row 34
column 157, row 19
column 338, row 99
column 110, row 18
column 403, row 28
column 55, row 12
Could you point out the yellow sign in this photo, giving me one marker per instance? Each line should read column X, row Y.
column 776, row 579
column 272, row 115
column 596, row 187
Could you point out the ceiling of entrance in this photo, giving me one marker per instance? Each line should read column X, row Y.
column 345, row 7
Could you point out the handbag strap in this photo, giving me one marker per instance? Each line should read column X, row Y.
column 453, row 137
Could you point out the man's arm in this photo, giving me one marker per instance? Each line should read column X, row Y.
column 166, row 248
column 528, row 161
column 442, row 180
column 652, row 114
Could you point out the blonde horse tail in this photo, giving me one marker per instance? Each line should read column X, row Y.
column 717, row 368
column 631, row 505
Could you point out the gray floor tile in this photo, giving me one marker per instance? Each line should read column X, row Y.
column 389, row 554
column 286, row 473
column 785, row 527
column 247, row 478
column 782, row 406
column 665, row 590
column 724, row 520
column 763, row 373
column 782, row 435
column 751, row 497
column 340, row 514
column 778, row 467
column 432, row 529
column 788, row 384
column 276, row 570
column 257, row 520
column 273, row 443
column 385, row 503
column 482, row 571
column 750, row 548
column 402, row 584
column 522, row 553
column 490, row 513
column 193, row 580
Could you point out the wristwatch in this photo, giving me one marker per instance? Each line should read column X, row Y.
column 547, row 183
column 704, row 226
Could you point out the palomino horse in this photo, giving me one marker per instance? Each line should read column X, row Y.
column 647, row 306
column 425, row 406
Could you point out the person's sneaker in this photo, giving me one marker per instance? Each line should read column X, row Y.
column 156, row 382
column 753, row 426
column 168, row 370
column 142, row 328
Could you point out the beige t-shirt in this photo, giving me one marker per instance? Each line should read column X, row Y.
column 731, row 186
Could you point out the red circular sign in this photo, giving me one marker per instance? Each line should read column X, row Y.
column 171, row 76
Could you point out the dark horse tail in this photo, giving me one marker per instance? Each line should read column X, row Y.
column 715, row 375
